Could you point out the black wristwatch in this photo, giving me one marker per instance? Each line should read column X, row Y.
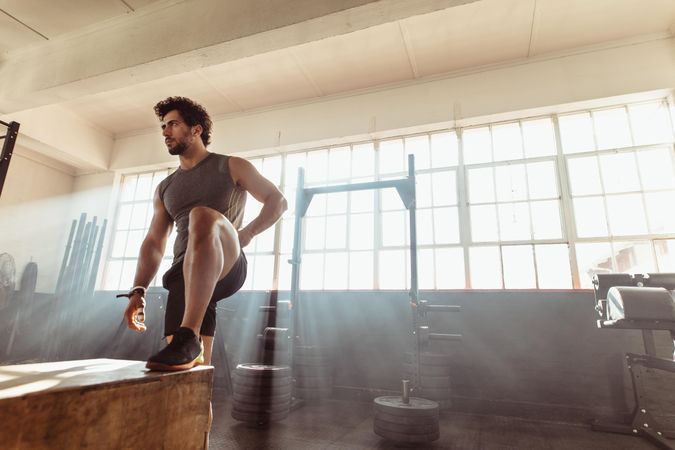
column 135, row 290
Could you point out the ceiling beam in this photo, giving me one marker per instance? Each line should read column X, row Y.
column 63, row 136
column 181, row 36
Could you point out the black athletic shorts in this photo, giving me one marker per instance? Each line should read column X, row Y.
column 174, row 282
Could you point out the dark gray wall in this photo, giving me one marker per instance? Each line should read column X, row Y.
column 526, row 353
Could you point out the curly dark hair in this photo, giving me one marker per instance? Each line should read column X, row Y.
column 191, row 112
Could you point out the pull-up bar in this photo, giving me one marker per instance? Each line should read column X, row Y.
column 303, row 197
column 7, row 149
column 405, row 190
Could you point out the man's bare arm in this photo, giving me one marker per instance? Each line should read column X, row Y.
column 154, row 244
column 274, row 202
column 149, row 259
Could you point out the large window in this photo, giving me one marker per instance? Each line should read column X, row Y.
column 542, row 202
column 132, row 220
column 622, row 186
column 517, row 238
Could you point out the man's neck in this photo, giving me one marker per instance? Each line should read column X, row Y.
column 192, row 156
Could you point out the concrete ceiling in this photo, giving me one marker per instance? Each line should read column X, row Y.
column 126, row 60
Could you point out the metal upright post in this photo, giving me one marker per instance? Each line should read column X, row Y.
column 414, row 288
column 303, row 197
column 7, row 149
column 91, row 283
column 64, row 261
column 300, row 210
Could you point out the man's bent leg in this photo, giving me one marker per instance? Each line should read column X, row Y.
column 208, row 349
column 213, row 248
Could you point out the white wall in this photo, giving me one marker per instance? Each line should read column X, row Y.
column 541, row 84
column 94, row 194
column 34, row 215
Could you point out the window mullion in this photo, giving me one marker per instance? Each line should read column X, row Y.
column 566, row 206
column 377, row 219
column 276, row 248
column 463, row 207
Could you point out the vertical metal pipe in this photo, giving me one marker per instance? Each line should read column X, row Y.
column 414, row 288
column 97, row 259
column 74, row 257
column 64, row 261
column 412, row 209
column 83, row 283
column 406, row 391
column 79, row 267
column 297, row 244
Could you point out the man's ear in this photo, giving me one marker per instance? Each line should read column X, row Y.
column 198, row 129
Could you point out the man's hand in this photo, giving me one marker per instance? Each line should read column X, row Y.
column 135, row 313
column 245, row 237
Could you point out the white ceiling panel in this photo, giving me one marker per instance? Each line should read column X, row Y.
column 357, row 60
column 471, row 35
column 13, row 35
column 461, row 37
column 267, row 79
column 55, row 17
column 573, row 23
column 112, row 111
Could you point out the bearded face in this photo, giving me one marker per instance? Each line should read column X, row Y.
column 178, row 135
column 179, row 145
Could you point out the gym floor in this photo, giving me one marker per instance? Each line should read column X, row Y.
column 335, row 424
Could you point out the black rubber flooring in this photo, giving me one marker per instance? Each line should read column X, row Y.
column 335, row 424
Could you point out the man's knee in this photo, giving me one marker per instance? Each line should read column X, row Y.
column 203, row 215
column 206, row 222
column 203, row 221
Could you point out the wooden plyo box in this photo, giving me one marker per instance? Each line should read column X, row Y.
column 103, row 404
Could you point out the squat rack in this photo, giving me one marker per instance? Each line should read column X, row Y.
column 406, row 191
column 7, row 149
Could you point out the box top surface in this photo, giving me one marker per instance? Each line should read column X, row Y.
column 26, row 379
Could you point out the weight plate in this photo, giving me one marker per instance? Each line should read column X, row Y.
column 258, row 370
column 264, row 409
column 406, row 420
column 259, row 418
column 261, row 399
column 261, row 391
column 261, row 382
column 415, row 407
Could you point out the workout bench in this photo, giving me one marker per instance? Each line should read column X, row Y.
column 642, row 302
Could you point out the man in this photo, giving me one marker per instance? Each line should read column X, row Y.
column 205, row 199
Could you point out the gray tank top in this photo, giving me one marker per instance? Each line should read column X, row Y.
column 210, row 184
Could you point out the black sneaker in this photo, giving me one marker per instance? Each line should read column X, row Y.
column 183, row 352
